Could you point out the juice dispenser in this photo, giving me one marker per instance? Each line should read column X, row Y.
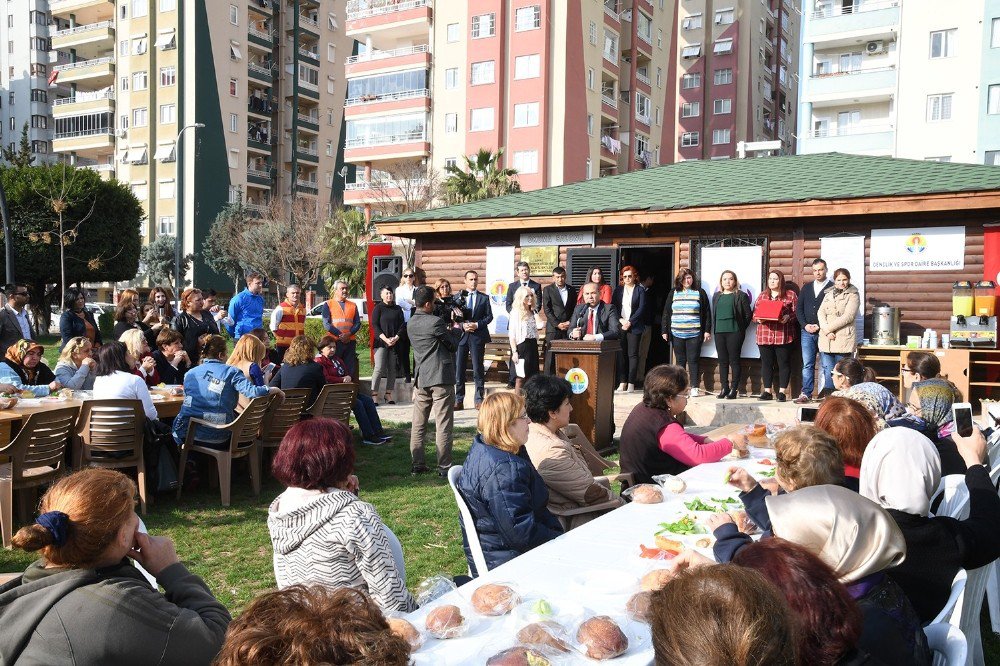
column 973, row 319
column 986, row 299
column 962, row 299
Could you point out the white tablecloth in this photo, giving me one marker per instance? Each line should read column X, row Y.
column 567, row 570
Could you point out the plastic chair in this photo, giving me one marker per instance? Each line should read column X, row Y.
column 948, row 644
column 243, row 442
column 282, row 415
column 471, row 535
column 335, row 402
column 595, row 461
column 36, row 456
column 951, row 497
column 967, row 611
column 957, row 587
column 115, row 427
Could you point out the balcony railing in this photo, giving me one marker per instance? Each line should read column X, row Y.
column 359, row 9
column 856, row 8
column 255, row 208
column 393, row 53
column 308, row 119
column 85, row 132
column 389, row 97
column 386, row 139
column 610, row 101
column 860, row 70
column 79, row 64
column 404, row 185
column 260, row 105
column 262, row 34
column 83, row 28
column 612, row 8
column 312, row 184
column 642, row 119
column 309, row 54
column 262, row 69
column 257, row 173
column 82, row 96
column 642, row 77
column 303, row 19
column 307, row 150
column 850, row 130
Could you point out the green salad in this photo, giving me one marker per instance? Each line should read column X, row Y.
column 684, row 525
column 713, row 504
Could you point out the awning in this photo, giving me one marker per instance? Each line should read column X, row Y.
column 165, row 153
column 166, row 40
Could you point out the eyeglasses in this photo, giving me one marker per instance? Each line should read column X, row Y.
column 837, row 374
column 20, row 293
column 522, row 417
column 907, row 370
column 407, row 274
column 627, row 275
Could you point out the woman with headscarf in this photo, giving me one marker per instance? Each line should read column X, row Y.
column 853, row 380
column 900, row 471
column 929, row 413
column 860, row 541
column 23, row 369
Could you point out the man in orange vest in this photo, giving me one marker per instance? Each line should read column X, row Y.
column 287, row 321
column 342, row 321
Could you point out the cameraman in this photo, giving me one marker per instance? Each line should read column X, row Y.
column 447, row 305
column 434, row 342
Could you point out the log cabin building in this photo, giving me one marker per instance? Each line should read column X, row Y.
column 659, row 220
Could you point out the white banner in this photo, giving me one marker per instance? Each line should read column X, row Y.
column 923, row 249
column 747, row 263
column 499, row 272
column 848, row 252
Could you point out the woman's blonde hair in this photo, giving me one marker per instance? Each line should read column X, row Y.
column 248, row 350
column 519, row 296
column 72, row 347
column 133, row 340
column 496, row 416
column 301, row 350
column 807, row 456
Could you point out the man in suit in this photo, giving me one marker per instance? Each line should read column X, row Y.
column 593, row 319
column 558, row 302
column 807, row 312
column 14, row 322
column 523, row 272
column 477, row 313
column 434, row 347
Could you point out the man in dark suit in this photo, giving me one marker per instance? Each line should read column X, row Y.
column 807, row 312
column 477, row 313
column 593, row 319
column 14, row 322
column 434, row 346
column 558, row 302
column 523, row 272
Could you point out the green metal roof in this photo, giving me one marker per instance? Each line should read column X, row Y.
column 699, row 183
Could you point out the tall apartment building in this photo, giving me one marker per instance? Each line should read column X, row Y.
column 570, row 90
column 902, row 78
column 263, row 78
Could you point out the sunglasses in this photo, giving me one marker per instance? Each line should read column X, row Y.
column 407, row 274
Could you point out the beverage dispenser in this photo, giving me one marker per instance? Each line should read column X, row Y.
column 973, row 319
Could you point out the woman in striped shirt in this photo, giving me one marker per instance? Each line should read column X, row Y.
column 686, row 323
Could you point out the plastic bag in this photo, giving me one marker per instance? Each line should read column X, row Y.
column 434, row 587
column 644, row 493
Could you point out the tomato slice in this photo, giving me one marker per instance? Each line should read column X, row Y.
column 656, row 553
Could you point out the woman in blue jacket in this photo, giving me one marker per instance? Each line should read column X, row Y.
column 211, row 392
column 76, row 321
column 505, row 494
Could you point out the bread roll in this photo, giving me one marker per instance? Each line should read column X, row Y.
column 638, row 606
column 663, row 543
column 543, row 633
column 647, row 494
column 602, row 637
column 445, row 622
column 675, row 485
column 517, row 656
column 656, row 579
column 492, row 599
column 406, row 631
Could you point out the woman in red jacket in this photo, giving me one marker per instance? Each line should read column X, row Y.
column 775, row 333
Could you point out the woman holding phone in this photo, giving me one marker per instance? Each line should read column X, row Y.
column 774, row 313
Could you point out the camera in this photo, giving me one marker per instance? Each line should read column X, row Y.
column 450, row 307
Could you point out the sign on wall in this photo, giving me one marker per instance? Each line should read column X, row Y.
column 747, row 262
column 499, row 272
column 922, row 249
column 535, row 238
column 542, row 259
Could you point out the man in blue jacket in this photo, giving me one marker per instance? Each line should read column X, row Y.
column 246, row 309
column 807, row 312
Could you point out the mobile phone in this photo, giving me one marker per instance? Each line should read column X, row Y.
column 962, row 412
column 160, row 309
column 993, row 409
column 807, row 414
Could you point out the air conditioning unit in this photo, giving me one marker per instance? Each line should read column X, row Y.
column 875, row 47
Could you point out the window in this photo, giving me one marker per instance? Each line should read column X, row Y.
column 659, row 116
column 124, row 11
column 528, row 67
column 642, row 107
column 689, row 81
column 482, row 72
column 167, row 191
column 329, row 148
column 167, row 41
column 590, row 124
column 38, row 69
column 725, row 16
column 40, row 122
column 644, row 28
column 40, row 146
column 943, row 43
column 139, row 45
column 331, row 52
column 168, row 5
column 610, row 46
column 992, row 156
column 234, row 53
column 234, row 122
column 168, row 113
column 850, row 62
column 938, row 107
column 481, row 120
column 993, row 99
column 720, row 136
column 938, row 158
column 995, row 33
column 720, row 106
column 659, row 77
column 692, row 51
column 526, row 115
column 450, row 162
column 168, row 76
column 140, row 117
column 140, row 8
column 140, row 190
column 331, row 22
column 689, row 139
column 234, row 194
column 234, row 88
column 234, row 14
column 123, row 47
column 527, row 18
column 166, row 227
column 39, row 95
column 590, row 79
column 690, row 109
column 123, row 124
column 526, row 161
column 124, row 83
column 659, row 38
column 592, row 34
column 451, row 78
column 452, row 32
column 723, row 47
column 590, row 169
column 483, row 25
column 450, row 123
column 692, row 22
column 847, row 121
column 723, row 76
column 140, row 80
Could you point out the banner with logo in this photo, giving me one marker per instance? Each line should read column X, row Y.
column 499, row 272
column 923, row 249
column 748, row 264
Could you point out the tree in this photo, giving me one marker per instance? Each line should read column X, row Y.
column 482, row 178
column 21, row 157
column 348, row 247
column 404, row 186
column 158, row 260
column 221, row 247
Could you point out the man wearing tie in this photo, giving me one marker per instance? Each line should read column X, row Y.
column 523, row 272
column 478, row 314
column 558, row 300
column 593, row 319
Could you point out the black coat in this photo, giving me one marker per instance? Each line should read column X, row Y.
column 71, row 326
column 10, row 330
column 191, row 329
column 807, row 307
column 44, row 377
column 639, row 305
column 556, row 312
column 741, row 309
column 704, row 313
column 516, row 284
column 482, row 316
column 305, row 375
column 385, row 320
column 606, row 321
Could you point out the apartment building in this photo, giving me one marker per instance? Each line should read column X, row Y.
column 735, row 64
column 194, row 104
column 570, row 90
column 902, row 78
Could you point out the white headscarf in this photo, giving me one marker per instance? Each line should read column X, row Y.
column 900, row 470
column 853, row 535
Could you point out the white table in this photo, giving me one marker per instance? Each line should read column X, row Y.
column 606, row 548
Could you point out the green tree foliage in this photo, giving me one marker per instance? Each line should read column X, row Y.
column 105, row 247
column 482, row 177
column 348, row 249
column 158, row 260
column 21, row 156
column 220, row 249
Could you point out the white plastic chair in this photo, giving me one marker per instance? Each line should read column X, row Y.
column 948, row 644
column 957, row 587
column 471, row 535
column 967, row 610
column 954, row 496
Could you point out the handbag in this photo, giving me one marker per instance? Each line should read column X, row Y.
column 768, row 310
column 160, row 465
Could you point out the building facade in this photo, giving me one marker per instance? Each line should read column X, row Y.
column 903, row 79
column 246, row 96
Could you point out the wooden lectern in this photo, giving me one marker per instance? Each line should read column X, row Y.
column 593, row 409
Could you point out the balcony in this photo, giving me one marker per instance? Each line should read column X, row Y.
column 858, row 19
column 609, row 105
column 410, row 57
column 307, row 154
column 407, row 100
column 259, row 139
column 86, row 11
column 84, row 102
column 363, row 192
column 864, row 85
column 311, row 57
column 307, row 186
column 98, row 70
column 387, row 146
column 259, row 37
column 260, row 106
column 78, row 141
column 642, row 78
column 393, row 19
column 260, row 72
column 258, row 177
column 309, row 123
column 308, row 25
column 873, row 139
column 261, row 6
column 90, row 33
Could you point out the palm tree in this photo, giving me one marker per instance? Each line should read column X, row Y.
column 482, row 178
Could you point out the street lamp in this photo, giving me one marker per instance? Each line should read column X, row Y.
column 178, row 216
